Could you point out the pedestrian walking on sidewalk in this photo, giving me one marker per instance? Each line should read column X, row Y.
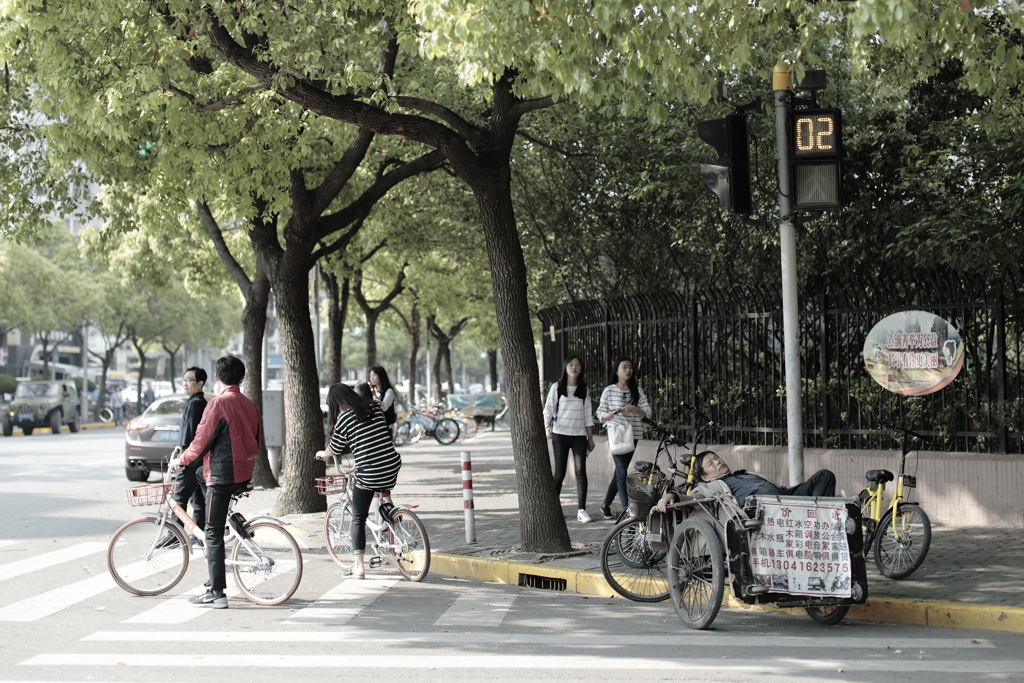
column 358, row 425
column 569, row 416
column 621, row 400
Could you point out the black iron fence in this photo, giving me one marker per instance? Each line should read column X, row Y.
column 723, row 352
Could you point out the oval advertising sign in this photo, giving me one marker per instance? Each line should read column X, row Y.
column 913, row 353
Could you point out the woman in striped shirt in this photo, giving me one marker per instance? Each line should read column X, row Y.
column 359, row 426
column 568, row 414
column 621, row 400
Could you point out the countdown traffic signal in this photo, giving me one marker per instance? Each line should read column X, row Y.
column 731, row 181
column 817, row 146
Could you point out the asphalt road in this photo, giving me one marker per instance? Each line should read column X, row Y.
column 63, row 619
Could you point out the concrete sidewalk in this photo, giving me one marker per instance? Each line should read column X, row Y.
column 971, row 578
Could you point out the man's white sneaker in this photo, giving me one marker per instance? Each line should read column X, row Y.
column 582, row 517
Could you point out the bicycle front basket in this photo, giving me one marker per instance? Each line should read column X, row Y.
column 644, row 487
column 147, row 494
column 331, row 486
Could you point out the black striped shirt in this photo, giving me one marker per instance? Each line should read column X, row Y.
column 377, row 461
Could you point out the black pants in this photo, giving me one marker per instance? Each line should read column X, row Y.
column 218, row 498
column 189, row 489
column 821, row 483
column 561, row 445
column 361, row 501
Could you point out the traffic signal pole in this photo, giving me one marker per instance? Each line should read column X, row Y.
column 782, row 87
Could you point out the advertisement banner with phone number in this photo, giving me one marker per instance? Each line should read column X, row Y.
column 801, row 548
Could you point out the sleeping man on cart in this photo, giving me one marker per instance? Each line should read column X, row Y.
column 796, row 546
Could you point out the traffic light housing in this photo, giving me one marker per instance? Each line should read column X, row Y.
column 816, row 137
column 731, row 181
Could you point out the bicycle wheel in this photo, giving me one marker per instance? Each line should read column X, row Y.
column 337, row 531
column 270, row 566
column 402, row 434
column 105, row 415
column 410, row 545
column 446, row 431
column 146, row 557
column 696, row 573
column 828, row 616
column 900, row 551
column 470, row 424
column 630, row 566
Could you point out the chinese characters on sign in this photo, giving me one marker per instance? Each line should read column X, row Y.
column 801, row 548
column 913, row 353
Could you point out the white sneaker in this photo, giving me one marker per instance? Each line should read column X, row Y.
column 582, row 516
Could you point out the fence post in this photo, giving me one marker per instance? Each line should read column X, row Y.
column 467, row 496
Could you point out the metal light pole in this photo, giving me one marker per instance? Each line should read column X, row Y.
column 782, row 87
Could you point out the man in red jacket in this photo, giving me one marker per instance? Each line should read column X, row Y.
column 228, row 438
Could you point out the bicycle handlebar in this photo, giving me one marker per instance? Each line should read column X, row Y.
column 907, row 432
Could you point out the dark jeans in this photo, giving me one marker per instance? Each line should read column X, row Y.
column 618, row 482
column 189, row 489
column 561, row 445
column 218, row 497
column 821, row 483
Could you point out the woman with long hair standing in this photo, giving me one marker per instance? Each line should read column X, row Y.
column 384, row 392
column 358, row 425
column 568, row 414
column 622, row 399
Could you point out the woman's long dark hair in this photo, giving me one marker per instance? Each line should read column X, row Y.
column 563, row 381
column 634, row 390
column 385, row 383
column 343, row 397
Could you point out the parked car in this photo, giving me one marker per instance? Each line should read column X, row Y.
column 42, row 404
column 150, row 438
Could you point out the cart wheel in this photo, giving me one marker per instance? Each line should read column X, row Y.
column 696, row 573
column 828, row 616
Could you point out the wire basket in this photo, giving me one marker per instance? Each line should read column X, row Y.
column 644, row 487
column 331, row 486
column 147, row 494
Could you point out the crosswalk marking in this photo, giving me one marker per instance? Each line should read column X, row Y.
column 343, row 602
column 50, row 559
column 532, row 661
column 5, row 542
column 701, row 638
column 51, row 602
column 480, row 608
column 176, row 609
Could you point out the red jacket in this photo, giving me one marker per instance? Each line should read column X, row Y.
column 229, row 434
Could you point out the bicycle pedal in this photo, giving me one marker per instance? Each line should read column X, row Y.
column 376, row 562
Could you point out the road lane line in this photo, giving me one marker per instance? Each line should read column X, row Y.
column 50, row 559
column 482, row 608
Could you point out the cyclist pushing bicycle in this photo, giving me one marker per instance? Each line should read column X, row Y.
column 358, row 424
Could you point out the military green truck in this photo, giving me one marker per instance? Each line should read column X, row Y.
column 45, row 403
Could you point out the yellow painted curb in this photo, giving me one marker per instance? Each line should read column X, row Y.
column 887, row 610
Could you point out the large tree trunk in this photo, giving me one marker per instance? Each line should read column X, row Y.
column 304, row 434
column 541, row 524
column 414, row 351
column 371, row 338
column 254, row 327
column 337, row 312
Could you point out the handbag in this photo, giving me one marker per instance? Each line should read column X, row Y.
column 620, row 437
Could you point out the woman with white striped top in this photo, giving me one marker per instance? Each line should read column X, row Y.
column 568, row 414
column 358, row 425
column 621, row 400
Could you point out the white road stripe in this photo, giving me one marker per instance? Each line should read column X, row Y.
column 5, row 542
column 482, row 608
column 50, row 559
column 51, row 602
column 702, row 638
column 420, row 661
column 343, row 602
column 177, row 610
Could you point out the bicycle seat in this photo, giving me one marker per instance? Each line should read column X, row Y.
column 879, row 476
column 643, row 466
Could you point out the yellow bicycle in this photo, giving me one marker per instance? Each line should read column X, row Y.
column 899, row 533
